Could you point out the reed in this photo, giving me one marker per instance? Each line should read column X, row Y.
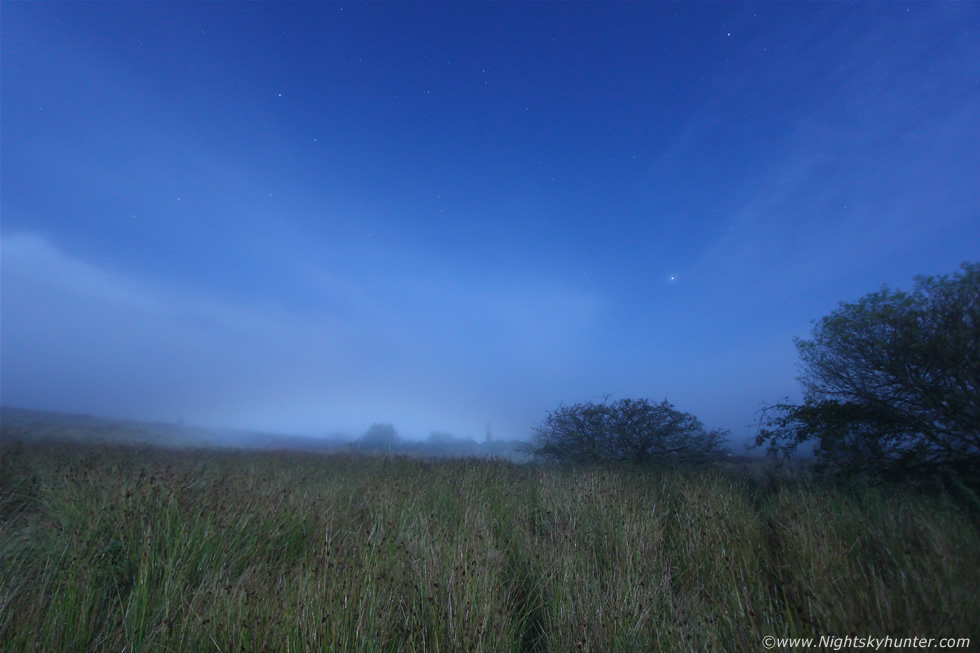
column 122, row 548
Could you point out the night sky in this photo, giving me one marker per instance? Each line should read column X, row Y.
column 307, row 218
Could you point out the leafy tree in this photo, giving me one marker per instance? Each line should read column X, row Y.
column 891, row 383
column 379, row 437
column 631, row 430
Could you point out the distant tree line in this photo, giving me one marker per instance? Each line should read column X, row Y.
column 381, row 438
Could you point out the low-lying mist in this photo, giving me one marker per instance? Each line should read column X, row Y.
column 379, row 438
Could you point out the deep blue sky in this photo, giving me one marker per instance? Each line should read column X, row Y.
column 312, row 217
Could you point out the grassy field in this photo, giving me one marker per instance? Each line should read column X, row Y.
column 137, row 549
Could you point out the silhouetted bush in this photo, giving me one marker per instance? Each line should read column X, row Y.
column 379, row 437
column 628, row 430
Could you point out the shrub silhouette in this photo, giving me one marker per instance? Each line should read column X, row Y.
column 379, row 437
column 629, row 430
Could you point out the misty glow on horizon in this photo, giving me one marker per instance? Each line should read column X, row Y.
column 308, row 218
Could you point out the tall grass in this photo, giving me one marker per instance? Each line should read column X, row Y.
column 143, row 549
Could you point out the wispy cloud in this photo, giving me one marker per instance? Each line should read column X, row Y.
column 29, row 258
column 855, row 175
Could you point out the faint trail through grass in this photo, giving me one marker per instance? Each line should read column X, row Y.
column 111, row 548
